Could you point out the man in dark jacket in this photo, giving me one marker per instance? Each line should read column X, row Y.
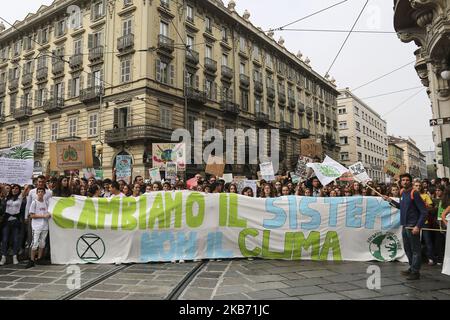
column 412, row 218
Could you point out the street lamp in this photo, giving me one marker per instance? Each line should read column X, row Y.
column 445, row 74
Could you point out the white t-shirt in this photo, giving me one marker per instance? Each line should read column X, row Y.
column 13, row 207
column 32, row 196
column 38, row 207
column 120, row 195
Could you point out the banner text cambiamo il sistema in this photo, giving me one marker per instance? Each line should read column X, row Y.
column 174, row 225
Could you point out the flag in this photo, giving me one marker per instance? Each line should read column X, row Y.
column 327, row 171
column 191, row 183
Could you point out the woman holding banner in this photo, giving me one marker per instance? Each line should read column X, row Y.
column 12, row 221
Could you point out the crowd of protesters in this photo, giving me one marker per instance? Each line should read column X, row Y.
column 20, row 206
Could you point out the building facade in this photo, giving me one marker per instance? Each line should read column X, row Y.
column 362, row 135
column 395, row 153
column 431, row 163
column 126, row 74
column 426, row 23
column 413, row 159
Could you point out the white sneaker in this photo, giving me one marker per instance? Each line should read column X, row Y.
column 3, row 261
column 15, row 261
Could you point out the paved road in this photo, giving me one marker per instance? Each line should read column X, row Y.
column 224, row 280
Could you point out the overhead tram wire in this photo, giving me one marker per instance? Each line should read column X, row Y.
column 348, row 36
column 306, row 17
column 403, row 102
column 341, row 31
column 392, row 92
column 384, row 75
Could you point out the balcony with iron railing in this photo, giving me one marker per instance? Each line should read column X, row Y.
column 53, row 105
column 192, row 57
column 258, row 85
column 227, row 72
column 91, row 94
column 13, row 84
column 42, row 73
column 58, row 67
column 137, row 133
column 262, row 117
column 22, row 113
column 210, row 65
column 244, row 80
column 304, row 133
column 165, row 43
column 76, row 61
column 125, row 42
column 285, row 126
column 195, row 95
column 27, row 79
column 228, row 106
column 95, row 53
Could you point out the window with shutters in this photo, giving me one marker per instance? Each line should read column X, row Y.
column 10, row 137
column 209, row 89
column 77, row 46
column 208, row 52
column 59, row 90
column 165, row 3
column 75, row 87
column 54, row 128
column 17, row 48
column 40, row 97
column 225, row 60
column 122, row 117
column 2, row 107
column 16, row 73
column 98, row 10
column 13, row 101
column 190, row 80
column 93, row 124
column 97, row 78
column 291, row 117
column 256, row 53
column 75, row 18
column 165, row 72
column 127, row 3
column 208, row 24
column 258, row 105
column 38, row 132
column 224, row 34
column 2, row 77
column 127, row 27
column 164, row 28
column 244, row 100
column 242, row 68
column 269, row 61
column 28, row 68
column 27, row 99
column 23, row 134
column 73, row 122
column 242, row 43
column 271, row 111
column 165, row 116
column 190, row 41
column 27, row 42
column 125, row 70
column 60, row 28
column 190, row 13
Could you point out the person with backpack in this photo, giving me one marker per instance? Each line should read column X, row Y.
column 412, row 217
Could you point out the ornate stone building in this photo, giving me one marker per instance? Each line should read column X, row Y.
column 127, row 73
column 426, row 22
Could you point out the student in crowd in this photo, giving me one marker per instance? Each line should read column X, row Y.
column 39, row 224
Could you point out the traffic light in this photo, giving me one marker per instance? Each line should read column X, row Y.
column 446, row 152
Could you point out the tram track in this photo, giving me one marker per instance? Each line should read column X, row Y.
column 174, row 294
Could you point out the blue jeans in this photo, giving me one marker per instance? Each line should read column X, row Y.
column 11, row 228
column 413, row 251
column 428, row 238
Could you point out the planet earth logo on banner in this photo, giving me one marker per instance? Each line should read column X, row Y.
column 384, row 246
column 329, row 171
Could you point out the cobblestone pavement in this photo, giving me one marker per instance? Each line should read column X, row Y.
column 228, row 280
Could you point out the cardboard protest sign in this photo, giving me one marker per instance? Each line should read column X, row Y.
column 71, row 155
column 169, row 152
column 215, row 166
column 123, row 167
column 393, row 169
column 310, row 148
column 302, row 169
column 227, row 177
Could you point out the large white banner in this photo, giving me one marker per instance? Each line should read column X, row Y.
column 165, row 226
column 16, row 164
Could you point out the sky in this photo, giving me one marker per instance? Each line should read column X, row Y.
column 363, row 58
